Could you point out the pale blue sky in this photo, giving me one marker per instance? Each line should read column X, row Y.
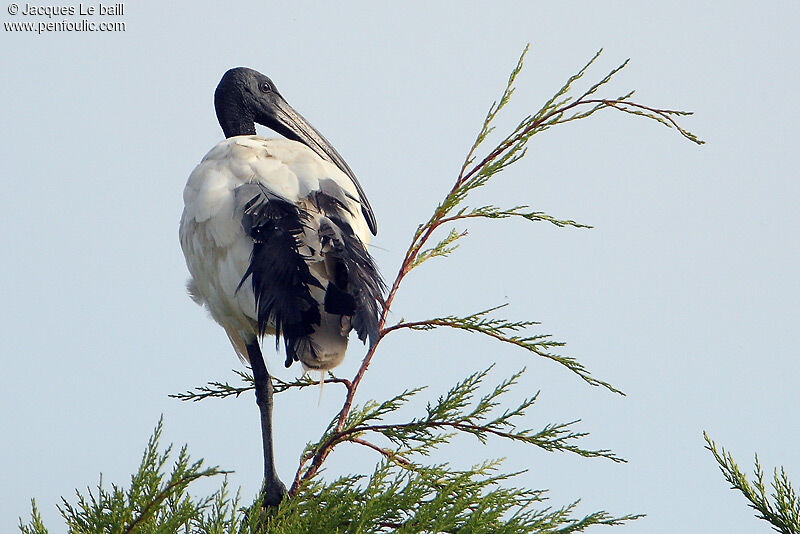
column 685, row 295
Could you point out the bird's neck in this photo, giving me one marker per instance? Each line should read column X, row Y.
column 237, row 125
column 233, row 117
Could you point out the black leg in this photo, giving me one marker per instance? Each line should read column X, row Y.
column 274, row 490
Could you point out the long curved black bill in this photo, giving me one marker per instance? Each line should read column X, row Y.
column 292, row 125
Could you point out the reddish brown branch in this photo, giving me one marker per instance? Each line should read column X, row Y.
column 411, row 253
column 437, row 219
column 439, row 322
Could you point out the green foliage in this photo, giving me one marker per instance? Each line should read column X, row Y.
column 781, row 508
column 419, row 499
column 402, row 493
column 221, row 390
column 156, row 501
column 460, row 410
column 505, row 331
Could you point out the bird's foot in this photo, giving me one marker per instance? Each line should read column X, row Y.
column 274, row 492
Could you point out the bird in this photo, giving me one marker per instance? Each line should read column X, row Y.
column 275, row 234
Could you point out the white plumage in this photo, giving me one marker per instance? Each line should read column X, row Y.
column 218, row 250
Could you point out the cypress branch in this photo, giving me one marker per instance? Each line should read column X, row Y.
column 156, row 501
column 222, row 390
column 780, row 507
column 504, row 331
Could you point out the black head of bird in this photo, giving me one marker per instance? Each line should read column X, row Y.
column 245, row 97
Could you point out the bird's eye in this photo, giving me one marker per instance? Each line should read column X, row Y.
column 265, row 87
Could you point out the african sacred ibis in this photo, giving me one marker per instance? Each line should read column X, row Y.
column 275, row 235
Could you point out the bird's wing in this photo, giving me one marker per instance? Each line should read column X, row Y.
column 311, row 275
column 356, row 287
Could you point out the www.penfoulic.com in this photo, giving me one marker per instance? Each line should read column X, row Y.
column 46, row 13
column 64, row 26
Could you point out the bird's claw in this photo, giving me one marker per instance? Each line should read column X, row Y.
column 274, row 493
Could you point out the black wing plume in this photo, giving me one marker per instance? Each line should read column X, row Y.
column 279, row 273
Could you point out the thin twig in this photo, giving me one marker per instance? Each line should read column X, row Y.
column 391, row 455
